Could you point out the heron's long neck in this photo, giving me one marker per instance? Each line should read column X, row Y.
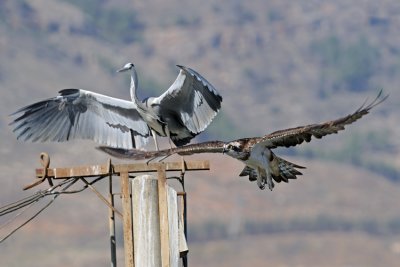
column 134, row 86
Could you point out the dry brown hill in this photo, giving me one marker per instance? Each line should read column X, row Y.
column 277, row 64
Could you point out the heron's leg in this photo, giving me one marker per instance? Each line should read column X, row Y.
column 165, row 157
column 169, row 137
column 159, row 160
column 170, row 143
column 153, row 133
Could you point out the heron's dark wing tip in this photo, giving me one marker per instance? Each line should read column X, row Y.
column 68, row 91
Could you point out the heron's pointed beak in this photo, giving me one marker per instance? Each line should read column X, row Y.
column 123, row 69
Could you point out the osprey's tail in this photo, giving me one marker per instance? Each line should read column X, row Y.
column 280, row 169
column 284, row 170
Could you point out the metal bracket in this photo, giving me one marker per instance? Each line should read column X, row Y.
column 183, row 171
column 45, row 162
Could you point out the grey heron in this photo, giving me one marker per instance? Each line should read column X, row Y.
column 181, row 112
column 261, row 164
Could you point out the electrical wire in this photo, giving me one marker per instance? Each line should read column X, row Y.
column 21, row 203
column 28, row 202
column 17, row 215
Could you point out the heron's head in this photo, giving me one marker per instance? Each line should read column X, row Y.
column 127, row 66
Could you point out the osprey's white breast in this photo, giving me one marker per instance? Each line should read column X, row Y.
column 259, row 157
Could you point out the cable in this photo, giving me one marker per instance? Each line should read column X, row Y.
column 18, row 214
column 29, row 201
column 30, row 219
column 21, row 203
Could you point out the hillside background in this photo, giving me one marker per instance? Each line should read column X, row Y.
column 277, row 64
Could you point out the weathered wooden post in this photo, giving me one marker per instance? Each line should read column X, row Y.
column 111, row 214
column 127, row 220
column 155, row 220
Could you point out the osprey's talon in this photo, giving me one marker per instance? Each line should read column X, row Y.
column 261, row 184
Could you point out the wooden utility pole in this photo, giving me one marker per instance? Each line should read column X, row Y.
column 168, row 230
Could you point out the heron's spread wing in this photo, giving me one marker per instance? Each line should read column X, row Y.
column 135, row 154
column 191, row 98
column 80, row 114
column 295, row 136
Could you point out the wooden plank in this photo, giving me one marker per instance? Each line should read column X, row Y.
column 97, row 170
column 163, row 212
column 111, row 223
column 146, row 223
column 80, row 171
column 183, row 247
column 127, row 220
column 173, row 229
column 169, row 166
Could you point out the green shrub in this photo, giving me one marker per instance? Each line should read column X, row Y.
column 111, row 24
column 345, row 66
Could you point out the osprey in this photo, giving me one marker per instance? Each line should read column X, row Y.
column 262, row 165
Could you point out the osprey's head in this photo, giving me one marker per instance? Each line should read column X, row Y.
column 236, row 149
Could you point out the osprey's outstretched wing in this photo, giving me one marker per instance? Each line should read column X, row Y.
column 295, row 136
column 135, row 154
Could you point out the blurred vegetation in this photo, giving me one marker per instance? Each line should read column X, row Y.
column 345, row 66
column 22, row 18
column 355, row 150
column 324, row 223
column 110, row 24
column 355, row 146
column 222, row 128
column 274, row 15
column 187, row 21
column 242, row 15
column 106, row 64
column 214, row 229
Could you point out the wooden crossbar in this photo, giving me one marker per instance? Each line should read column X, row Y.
column 98, row 170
